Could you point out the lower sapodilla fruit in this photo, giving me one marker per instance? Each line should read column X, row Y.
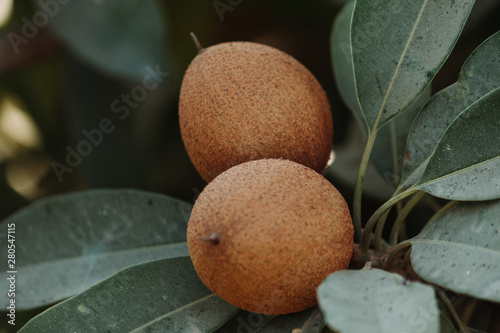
column 242, row 101
column 264, row 234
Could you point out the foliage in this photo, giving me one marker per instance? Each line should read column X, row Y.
column 116, row 260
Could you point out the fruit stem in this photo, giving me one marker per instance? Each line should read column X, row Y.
column 398, row 248
column 400, row 220
column 379, row 230
column 358, row 187
column 197, row 43
column 451, row 310
column 365, row 242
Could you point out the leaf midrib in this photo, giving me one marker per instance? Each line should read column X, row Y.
column 398, row 66
column 97, row 256
column 422, row 185
column 173, row 312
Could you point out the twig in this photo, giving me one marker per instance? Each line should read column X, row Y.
column 402, row 216
column 451, row 310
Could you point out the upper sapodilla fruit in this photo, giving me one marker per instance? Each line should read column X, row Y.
column 243, row 101
column 264, row 234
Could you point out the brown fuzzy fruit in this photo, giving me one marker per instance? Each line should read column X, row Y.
column 264, row 234
column 243, row 101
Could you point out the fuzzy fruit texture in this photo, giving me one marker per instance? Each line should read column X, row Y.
column 242, row 101
column 264, row 234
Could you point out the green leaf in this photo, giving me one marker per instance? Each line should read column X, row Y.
column 308, row 321
column 373, row 300
column 67, row 243
column 478, row 77
column 341, row 55
column 121, row 38
column 460, row 250
column 397, row 48
column 389, row 147
column 161, row 296
column 466, row 162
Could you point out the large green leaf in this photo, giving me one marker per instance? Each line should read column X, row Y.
column 478, row 77
column 460, row 250
column 161, row 296
column 341, row 54
column 397, row 48
column 119, row 37
column 373, row 300
column 67, row 243
column 389, row 148
column 466, row 162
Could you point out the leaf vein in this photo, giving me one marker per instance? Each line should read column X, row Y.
column 421, row 186
column 173, row 312
column 398, row 66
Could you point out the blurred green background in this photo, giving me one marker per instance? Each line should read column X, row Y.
column 67, row 65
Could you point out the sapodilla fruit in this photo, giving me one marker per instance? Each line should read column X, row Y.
column 242, row 101
column 264, row 234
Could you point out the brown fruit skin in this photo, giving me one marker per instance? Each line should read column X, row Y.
column 282, row 227
column 242, row 101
